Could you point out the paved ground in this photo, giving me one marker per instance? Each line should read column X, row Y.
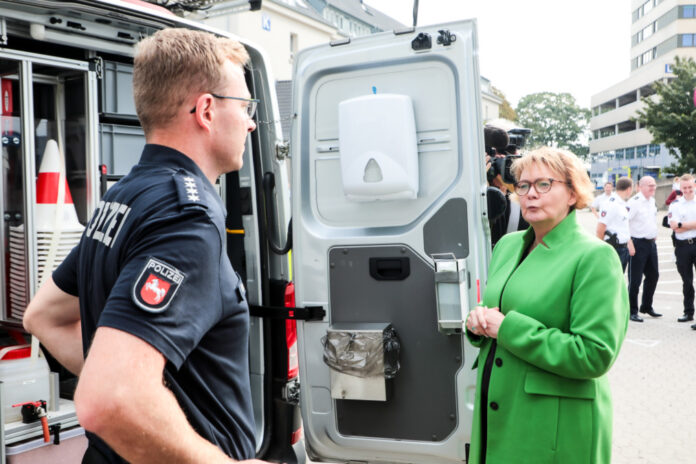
column 654, row 379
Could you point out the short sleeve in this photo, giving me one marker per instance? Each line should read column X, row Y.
column 65, row 275
column 606, row 213
column 168, row 291
column 673, row 212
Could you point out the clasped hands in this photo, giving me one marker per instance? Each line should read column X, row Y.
column 484, row 321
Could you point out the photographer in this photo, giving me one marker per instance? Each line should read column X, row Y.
column 504, row 213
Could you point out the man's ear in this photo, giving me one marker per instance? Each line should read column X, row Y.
column 204, row 112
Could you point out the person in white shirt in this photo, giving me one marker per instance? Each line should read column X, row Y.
column 682, row 220
column 612, row 226
column 597, row 202
column 642, row 222
column 676, row 183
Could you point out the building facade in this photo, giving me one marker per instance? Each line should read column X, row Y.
column 283, row 27
column 660, row 30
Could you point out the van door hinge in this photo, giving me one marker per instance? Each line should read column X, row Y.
column 3, row 32
column 308, row 313
column 96, row 64
column 282, row 150
column 291, row 392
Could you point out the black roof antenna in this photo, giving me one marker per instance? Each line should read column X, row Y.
column 415, row 12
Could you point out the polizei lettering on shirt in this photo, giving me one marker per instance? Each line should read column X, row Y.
column 107, row 222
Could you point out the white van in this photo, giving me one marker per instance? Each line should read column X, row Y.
column 384, row 180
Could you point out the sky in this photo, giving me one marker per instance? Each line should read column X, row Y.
column 530, row 46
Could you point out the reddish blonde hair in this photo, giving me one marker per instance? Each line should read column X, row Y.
column 564, row 163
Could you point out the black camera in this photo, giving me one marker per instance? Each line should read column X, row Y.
column 502, row 166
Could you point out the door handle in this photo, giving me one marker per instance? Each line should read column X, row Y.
column 390, row 268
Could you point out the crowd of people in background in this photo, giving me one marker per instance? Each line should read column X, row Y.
column 629, row 224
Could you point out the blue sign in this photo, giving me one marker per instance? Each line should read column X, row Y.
column 265, row 22
column 668, row 68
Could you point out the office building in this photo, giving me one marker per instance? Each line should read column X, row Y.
column 660, row 30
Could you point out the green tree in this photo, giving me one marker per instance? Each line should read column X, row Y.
column 506, row 110
column 556, row 120
column 670, row 114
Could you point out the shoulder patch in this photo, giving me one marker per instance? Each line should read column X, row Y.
column 612, row 198
column 635, row 198
column 189, row 189
column 156, row 286
column 604, row 213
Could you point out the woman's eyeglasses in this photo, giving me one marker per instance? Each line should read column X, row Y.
column 541, row 185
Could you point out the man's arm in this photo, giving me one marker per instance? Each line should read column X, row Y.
column 53, row 316
column 601, row 229
column 121, row 398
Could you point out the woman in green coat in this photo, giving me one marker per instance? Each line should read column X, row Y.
column 552, row 320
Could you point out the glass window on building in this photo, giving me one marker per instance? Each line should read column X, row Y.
column 687, row 40
column 642, row 151
column 654, row 150
column 619, row 154
column 688, row 11
column 630, row 153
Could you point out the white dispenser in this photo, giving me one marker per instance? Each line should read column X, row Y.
column 379, row 149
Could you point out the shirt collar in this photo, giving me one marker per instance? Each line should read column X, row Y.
column 168, row 157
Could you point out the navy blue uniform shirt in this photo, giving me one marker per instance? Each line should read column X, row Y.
column 151, row 263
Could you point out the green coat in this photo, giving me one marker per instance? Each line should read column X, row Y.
column 566, row 313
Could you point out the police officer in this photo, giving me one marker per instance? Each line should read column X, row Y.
column 682, row 220
column 642, row 222
column 612, row 226
column 147, row 309
column 600, row 199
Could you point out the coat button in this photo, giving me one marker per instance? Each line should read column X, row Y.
column 494, row 405
column 498, row 362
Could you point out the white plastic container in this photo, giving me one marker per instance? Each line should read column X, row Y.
column 23, row 380
column 379, row 147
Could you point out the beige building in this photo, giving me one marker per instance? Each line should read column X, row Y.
column 283, row 27
column 660, row 30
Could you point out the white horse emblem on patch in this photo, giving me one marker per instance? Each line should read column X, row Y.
column 157, row 285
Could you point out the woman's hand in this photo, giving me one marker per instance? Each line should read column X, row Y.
column 484, row 321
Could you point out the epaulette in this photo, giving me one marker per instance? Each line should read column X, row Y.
column 635, row 198
column 612, row 198
column 189, row 189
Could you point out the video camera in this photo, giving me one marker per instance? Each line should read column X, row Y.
column 506, row 143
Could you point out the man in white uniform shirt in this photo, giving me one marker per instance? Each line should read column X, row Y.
column 612, row 226
column 642, row 222
column 682, row 220
column 599, row 200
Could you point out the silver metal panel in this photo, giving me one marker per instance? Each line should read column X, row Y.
column 450, row 149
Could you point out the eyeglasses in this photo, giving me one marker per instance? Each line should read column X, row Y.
column 250, row 109
column 541, row 185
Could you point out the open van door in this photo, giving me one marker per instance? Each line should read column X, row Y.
column 391, row 238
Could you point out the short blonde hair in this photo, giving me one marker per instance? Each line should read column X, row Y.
column 172, row 65
column 686, row 178
column 564, row 163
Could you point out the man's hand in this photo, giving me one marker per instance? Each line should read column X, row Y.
column 631, row 248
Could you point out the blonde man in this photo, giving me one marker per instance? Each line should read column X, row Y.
column 138, row 309
column 682, row 220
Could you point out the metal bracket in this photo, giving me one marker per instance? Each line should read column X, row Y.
column 97, row 64
column 3, row 32
column 308, row 313
column 291, row 392
column 282, row 150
